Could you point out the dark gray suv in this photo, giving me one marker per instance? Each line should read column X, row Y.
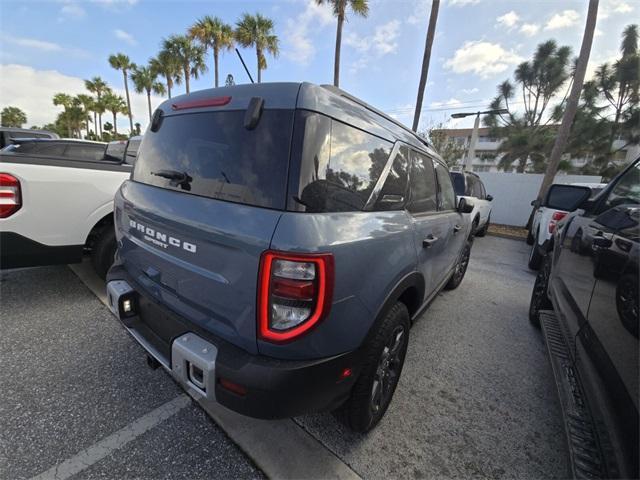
column 275, row 243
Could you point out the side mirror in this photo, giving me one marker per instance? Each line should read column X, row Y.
column 535, row 203
column 465, row 206
column 490, row 198
column 566, row 197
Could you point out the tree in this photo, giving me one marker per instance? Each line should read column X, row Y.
column 145, row 80
column 87, row 104
column 358, row 7
column 574, row 97
column 189, row 55
column 529, row 136
column 121, row 62
column 213, row 33
column 98, row 86
column 167, row 65
column 426, row 60
column 115, row 104
column 257, row 31
column 449, row 150
column 65, row 101
column 13, row 117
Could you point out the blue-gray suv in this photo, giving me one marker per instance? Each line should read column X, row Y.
column 275, row 243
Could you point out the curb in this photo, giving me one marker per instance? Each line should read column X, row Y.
column 506, row 235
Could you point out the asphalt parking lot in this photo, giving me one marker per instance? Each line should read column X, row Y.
column 476, row 398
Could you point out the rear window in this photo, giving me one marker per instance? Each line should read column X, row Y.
column 458, row 183
column 90, row 153
column 212, row 154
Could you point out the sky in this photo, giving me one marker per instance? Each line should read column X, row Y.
column 52, row 46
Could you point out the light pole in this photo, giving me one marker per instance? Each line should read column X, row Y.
column 471, row 153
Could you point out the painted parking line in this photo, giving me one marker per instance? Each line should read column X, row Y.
column 115, row 441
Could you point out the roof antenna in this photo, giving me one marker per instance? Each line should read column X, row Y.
column 245, row 66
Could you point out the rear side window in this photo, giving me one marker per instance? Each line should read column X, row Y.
column 132, row 151
column 458, row 183
column 339, row 164
column 90, row 153
column 394, row 191
column 213, row 155
column 447, row 195
column 423, row 185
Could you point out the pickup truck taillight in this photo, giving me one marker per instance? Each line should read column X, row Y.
column 294, row 293
column 555, row 218
column 10, row 199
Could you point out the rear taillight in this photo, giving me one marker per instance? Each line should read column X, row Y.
column 294, row 293
column 555, row 218
column 10, row 198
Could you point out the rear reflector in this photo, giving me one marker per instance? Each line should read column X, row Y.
column 10, row 196
column 201, row 103
column 233, row 387
column 294, row 293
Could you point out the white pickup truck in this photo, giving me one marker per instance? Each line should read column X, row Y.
column 56, row 201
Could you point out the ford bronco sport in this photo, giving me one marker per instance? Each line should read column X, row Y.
column 276, row 241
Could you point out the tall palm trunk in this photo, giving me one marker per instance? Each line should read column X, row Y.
column 100, row 124
column 336, row 62
column 149, row 102
column 115, row 125
column 169, row 83
column 95, row 124
column 572, row 102
column 126, row 90
column 258, row 55
column 426, row 59
column 215, row 64
column 186, row 77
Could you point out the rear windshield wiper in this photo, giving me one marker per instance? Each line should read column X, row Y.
column 178, row 179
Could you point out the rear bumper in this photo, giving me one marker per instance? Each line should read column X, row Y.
column 273, row 388
column 17, row 251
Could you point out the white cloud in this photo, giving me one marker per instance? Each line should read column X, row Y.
column 382, row 42
column 125, row 36
column 32, row 91
column 300, row 48
column 452, row 102
column 482, row 58
column 613, row 7
column 529, row 29
column 116, row 3
column 462, row 3
column 564, row 19
column 72, row 10
column 469, row 91
column 41, row 45
column 509, row 19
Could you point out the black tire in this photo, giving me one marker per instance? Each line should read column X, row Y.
column 535, row 256
column 384, row 359
column 539, row 296
column 474, row 227
column 483, row 231
column 103, row 251
column 461, row 267
column 530, row 238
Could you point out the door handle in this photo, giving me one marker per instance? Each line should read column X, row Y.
column 457, row 228
column 430, row 240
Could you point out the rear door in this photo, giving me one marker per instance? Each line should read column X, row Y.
column 431, row 227
column 205, row 198
column 455, row 235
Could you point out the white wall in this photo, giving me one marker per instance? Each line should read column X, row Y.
column 513, row 193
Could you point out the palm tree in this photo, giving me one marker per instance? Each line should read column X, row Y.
column 120, row 61
column 145, row 80
column 572, row 102
column 426, row 60
column 257, row 31
column 65, row 101
column 189, row 55
column 167, row 65
column 213, row 33
column 87, row 104
column 98, row 86
column 115, row 104
column 359, row 7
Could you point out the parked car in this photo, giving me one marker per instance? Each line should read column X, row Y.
column 123, row 150
column 9, row 134
column 468, row 185
column 545, row 219
column 585, row 298
column 57, row 203
column 276, row 241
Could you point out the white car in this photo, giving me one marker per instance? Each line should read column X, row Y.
column 468, row 185
column 56, row 203
column 544, row 223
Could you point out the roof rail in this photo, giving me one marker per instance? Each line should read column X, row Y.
column 338, row 91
